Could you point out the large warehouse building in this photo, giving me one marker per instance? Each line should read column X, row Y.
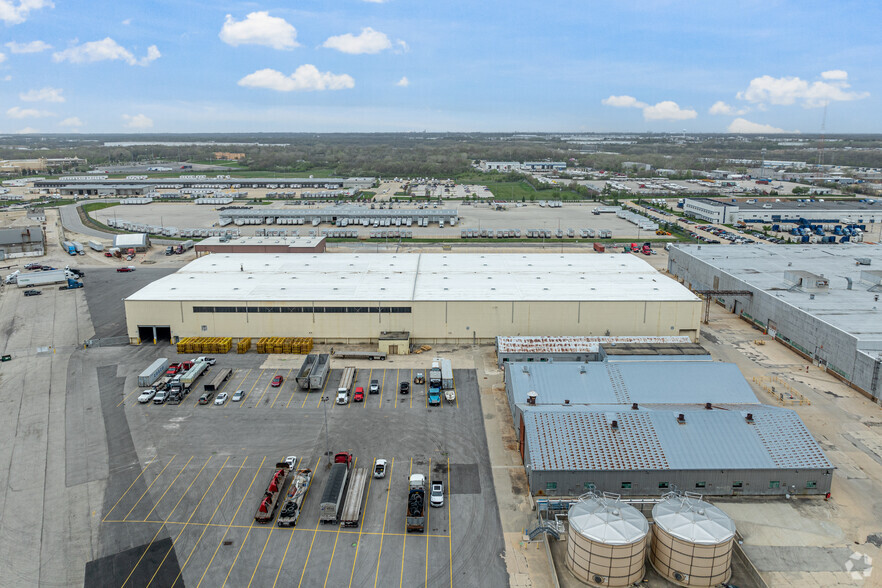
column 433, row 297
column 642, row 427
column 822, row 301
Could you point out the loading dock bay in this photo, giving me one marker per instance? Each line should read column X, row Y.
column 185, row 517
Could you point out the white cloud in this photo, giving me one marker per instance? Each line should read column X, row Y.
column 12, row 12
column 665, row 110
column 740, row 125
column 721, row 107
column 127, row 22
column 31, row 47
column 403, row 82
column 138, row 121
column 368, row 41
column 2, row 57
column 305, row 78
column 259, row 28
column 668, row 110
column 26, row 131
column 47, row 94
column 7, row 78
column 19, row 112
column 788, row 90
column 624, row 102
column 104, row 50
column 72, row 122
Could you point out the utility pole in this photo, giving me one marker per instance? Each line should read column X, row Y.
column 325, row 400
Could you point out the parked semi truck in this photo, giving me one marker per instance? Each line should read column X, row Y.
column 345, row 386
column 185, row 246
column 352, row 506
column 72, row 284
column 335, row 488
column 152, row 373
column 294, row 499
column 447, row 386
column 267, row 507
column 44, row 278
column 314, row 371
column 70, row 247
column 416, row 503
column 79, row 248
column 435, row 380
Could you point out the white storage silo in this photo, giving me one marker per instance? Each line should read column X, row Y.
column 691, row 541
column 606, row 543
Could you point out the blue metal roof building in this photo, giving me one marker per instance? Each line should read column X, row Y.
column 749, row 449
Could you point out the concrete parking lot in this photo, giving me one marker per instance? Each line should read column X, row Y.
column 188, row 514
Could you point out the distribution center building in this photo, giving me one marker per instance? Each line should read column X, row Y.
column 820, row 300
column 435, row 297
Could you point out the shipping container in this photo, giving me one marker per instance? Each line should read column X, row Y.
column 152, row 373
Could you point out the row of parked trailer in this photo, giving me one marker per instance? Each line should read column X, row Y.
column 391, row 234
column 169, row 231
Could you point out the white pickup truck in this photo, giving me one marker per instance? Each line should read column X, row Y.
column 208, row 360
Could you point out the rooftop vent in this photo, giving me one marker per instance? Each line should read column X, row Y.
column 614, row 425
column 567, row 402
column 708, row 406
column 749, row 417
column 634, row 406
column 681, row 418
column 531, row 397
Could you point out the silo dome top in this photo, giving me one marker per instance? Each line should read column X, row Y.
column 606, row 520
column 691, row 519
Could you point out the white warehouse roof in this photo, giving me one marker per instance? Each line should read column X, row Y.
column 416, row 277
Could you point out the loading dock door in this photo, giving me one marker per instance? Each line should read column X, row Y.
column 154, row 333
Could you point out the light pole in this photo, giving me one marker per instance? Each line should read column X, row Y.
column 327, row 436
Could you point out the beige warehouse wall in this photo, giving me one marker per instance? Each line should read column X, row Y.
column 428, row 320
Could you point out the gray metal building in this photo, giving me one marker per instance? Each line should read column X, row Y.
column 21, row 242
column 749, row 449
column 822, row 301
column 221, row 182
column 625, row 383
column 585, row 348
column 353, row 214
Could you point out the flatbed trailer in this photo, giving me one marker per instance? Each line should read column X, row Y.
column 360, row 355
column 293, row 504
column 218, row 380
column 354, row 498
column 270, row 500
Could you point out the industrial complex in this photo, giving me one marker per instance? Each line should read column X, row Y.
column 433, row 297
column 822, row 301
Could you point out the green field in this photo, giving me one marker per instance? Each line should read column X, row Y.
column 92, row 206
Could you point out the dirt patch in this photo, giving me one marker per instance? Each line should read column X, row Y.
column 518, row 481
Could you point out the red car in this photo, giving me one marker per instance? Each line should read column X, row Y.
column 173, row 369
column 277, row 381
column 359, row 394
column 128, row 268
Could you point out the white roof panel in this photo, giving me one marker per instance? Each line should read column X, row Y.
column 416, row 277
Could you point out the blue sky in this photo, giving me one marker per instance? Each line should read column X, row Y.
column 408, row 65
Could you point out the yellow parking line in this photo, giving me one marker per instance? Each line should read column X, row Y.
column 221, row 542
column 127, row 490
column 242, row 381
column 280, row 499
column 367, row 393
column 143, row 494
column 397, row 392
column 242, row 402
column 153, row 577
column 428, row 518
column 334, row 550
column 293, row 529
column 282, row 387
column 126, row 397
column 361, row 526
column 266, row 389
column 410, row 385
column 322, row 395
column 385, row 512
column 308, row 553
column 208, row 524
column 404, row 543
column 161, row 527
column 382, row 385
column 169, row 488
column 449, row 525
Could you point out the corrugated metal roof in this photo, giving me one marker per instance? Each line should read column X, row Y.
column 651, row 438
column 573, row 344
column 21, row 235
column 679, row 382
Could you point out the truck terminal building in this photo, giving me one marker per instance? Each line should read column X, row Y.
column 353, row 298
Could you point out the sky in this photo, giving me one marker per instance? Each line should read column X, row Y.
column 199, row 66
